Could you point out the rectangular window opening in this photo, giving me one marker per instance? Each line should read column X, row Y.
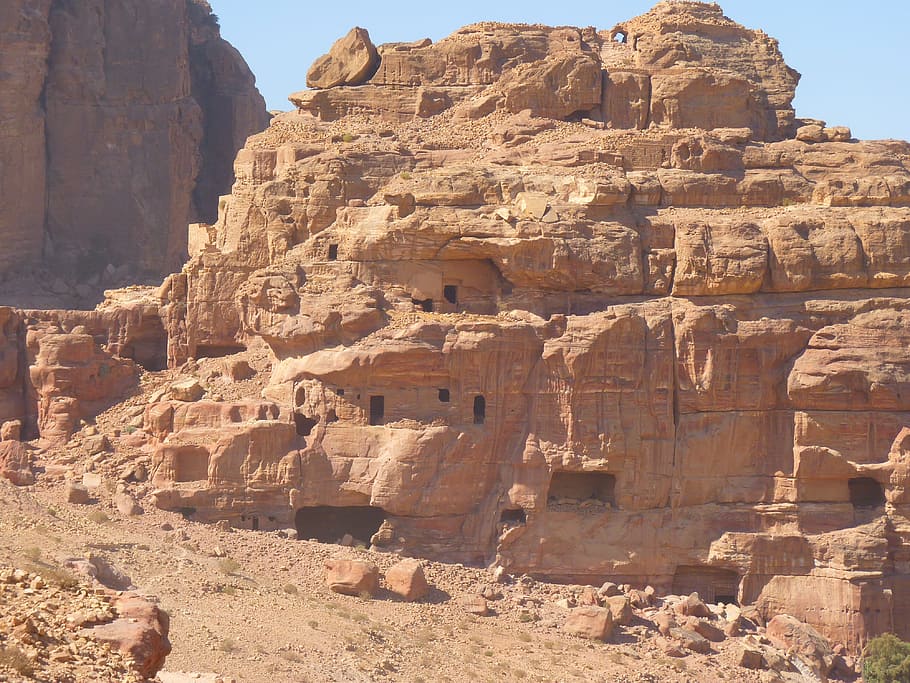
column 377, row 410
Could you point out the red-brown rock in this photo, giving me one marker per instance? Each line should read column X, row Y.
column 407, row 580
column 593, row 623
column 352, row 577
column 140, row 632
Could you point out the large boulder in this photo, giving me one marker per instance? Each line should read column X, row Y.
column 352, row 577
column 16, row 463
column 140, row 632
column 799, row 639
column 350, row 61
column 407, row 580
column 594, row 623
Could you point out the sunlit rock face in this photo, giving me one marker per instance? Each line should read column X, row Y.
column 588, row 304
column 121, row 119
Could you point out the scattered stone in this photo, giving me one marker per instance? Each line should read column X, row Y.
column 693, row 606
column 76, row 494
column 474, row 604
column 665, row 623
column 791, row 635
column 608, row 590
column 11, row 430
column 188, row 390
column 706, row 629
column 691, row 640
column 16, row 463
column 127, row 505
column 92, row 480
column 748, row 657
column 620, row 609
column 588, row 597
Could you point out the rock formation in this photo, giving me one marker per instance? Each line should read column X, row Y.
column 585, row 304
column 120, row 122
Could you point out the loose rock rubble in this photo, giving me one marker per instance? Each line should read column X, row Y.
column 53, row 629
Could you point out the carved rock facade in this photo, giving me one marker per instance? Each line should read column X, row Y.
column 642, row 332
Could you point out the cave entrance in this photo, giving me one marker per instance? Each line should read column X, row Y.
column 191, row 463
column 328, row 524
column 577, row 487
column 866, row 493
column 148, row 346
column 712, row 584
column 513, row 517
column 450, row 294
column 480, row 410
column 304, row 424
column 377, row 410
column 425, row 305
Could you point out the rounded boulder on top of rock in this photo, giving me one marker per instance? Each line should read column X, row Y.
column 351, row 60
column 407, row 580
column 352, row 577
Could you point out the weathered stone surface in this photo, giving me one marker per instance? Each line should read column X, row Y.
column 352, row 60
column 407, row 580
column 99, row 170
column 691, row 640
column 474, row 604
column 16, row 463
column 594, row 623
column 792, row 635
column 139, row 632
column 653, row 355
column 352, row 577
column 666, row 74
column 76, row 494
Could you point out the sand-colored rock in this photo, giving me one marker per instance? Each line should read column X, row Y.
column 794, row 636
column 76, row 199
column 407, row 580
column 352, row 60
column 593, row 623
column 139, row 632
column 562, row 340
column 16, row 463
column 352, row 577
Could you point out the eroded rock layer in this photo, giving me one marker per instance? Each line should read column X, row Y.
column 584, row 304
column 120, row 122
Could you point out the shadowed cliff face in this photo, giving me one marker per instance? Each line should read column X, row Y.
column 120, row 127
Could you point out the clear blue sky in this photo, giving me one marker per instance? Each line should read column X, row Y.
column 854, row 56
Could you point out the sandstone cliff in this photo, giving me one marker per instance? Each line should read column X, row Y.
column 120, row 122
column 584, row 304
